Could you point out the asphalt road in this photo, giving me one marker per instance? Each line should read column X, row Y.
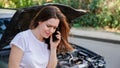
column 109, row 51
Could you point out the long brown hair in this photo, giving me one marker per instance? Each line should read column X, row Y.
column 48, row 12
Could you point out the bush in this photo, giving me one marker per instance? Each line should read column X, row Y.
column 102, row 12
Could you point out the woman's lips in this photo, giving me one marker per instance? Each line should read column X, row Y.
column 48, row 34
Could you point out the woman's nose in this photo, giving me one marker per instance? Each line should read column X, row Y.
column 52, row 30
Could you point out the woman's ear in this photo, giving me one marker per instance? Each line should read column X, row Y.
column 39, row 23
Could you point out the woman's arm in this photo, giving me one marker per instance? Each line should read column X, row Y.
column 52, row 59
column 53, row 54
column 15, row 57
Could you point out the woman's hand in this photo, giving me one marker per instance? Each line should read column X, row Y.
column 53, row 54
column 54, row 44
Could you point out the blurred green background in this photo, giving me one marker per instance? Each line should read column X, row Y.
column 102, row 13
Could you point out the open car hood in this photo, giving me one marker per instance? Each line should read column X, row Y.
column 22, row 18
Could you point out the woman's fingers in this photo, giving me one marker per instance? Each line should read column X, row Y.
column 58, row 35
column 54, row 44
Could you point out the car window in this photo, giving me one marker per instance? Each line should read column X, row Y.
column 3, row 21
column 5, row 17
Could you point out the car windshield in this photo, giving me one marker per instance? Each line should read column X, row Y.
column 5, row 17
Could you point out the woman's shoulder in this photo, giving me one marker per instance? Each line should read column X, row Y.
column 23, row 33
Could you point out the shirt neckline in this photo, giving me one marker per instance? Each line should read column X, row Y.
column 35, row 37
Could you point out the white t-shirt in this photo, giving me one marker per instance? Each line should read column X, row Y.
column 36, row 53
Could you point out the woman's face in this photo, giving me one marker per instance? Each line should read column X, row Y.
column 47, row 28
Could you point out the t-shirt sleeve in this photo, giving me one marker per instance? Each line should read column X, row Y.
column 18, row 41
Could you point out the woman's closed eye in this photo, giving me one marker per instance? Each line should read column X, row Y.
column 51, row 27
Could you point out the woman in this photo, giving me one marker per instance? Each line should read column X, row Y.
column 36, row 47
